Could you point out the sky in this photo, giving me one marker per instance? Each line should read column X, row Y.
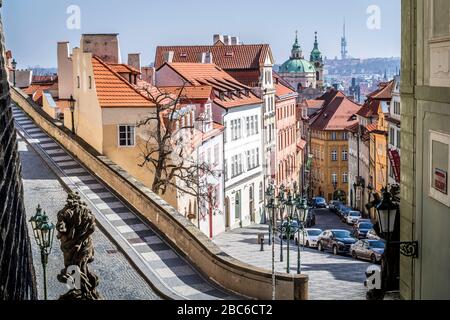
column 33, row 27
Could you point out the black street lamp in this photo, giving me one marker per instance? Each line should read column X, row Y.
column 72, row 110
column 301, row 210
column 281, row 206
column 43, row 231
column 14, row 68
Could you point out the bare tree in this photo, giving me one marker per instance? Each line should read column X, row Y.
column 168, row 149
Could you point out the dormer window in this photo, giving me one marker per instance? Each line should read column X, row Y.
column 229, row 54
column 183, row 55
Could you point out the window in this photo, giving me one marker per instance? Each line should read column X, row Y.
column 398, row 139
column 392, row 136
column 225, row 170
column 236, row 129
column 333, row 136
column 345, row 177
column 334, row 178
column 216, row 155
column 78, row 82
column 397, row 108
column 90, row 82
column 126, row 136
column 344, row 136
column 344, row 155
column 334, row 155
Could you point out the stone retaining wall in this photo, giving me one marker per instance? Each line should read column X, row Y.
column 230, row 273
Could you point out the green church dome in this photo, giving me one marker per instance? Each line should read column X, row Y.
column 297, row 66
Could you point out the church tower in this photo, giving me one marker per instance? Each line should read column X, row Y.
column 317, row 60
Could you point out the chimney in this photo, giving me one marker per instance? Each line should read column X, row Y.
column 227, row 40
column 217, row 37
column 148, row 75
column 65, row 70
column 234, row 40
column 168, row 56
column 134, row 60
column 206, row 57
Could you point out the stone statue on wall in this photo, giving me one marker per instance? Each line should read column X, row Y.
column 75, row 227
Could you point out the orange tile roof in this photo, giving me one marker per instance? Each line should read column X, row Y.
column 336, row 114
column 250, row 56
column 201, row 74
column 282, row 90
column 371, row 127
column 113, row 90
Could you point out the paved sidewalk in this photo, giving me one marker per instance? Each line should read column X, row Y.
column 330, row 277
column 156, row 259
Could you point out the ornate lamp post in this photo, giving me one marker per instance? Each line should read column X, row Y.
column 14, row 68
column 270, row 193
column 281, row 206
column 301, row 210
column 72, row 110
column 289, row 227
column 43, row 231
column 271, row 207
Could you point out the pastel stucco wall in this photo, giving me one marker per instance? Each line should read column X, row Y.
column 232, row 274
column 88, row 113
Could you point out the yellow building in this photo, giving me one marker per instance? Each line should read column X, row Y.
column 329, row 145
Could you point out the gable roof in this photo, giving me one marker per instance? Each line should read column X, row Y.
column 336, row 114
column 194, row 93
column 370, row 109
column 228, row 91
column 123, row 68
column 113, row 90
column 283, row 92
column 384, row 91
column 250, row 56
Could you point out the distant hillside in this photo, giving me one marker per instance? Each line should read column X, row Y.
column 354, row 67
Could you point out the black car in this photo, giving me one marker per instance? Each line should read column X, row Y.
column 361, row 229
column 334, row 205
column 319, row 202
column 339, row 241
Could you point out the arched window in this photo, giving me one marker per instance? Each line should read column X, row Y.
column 317, row 75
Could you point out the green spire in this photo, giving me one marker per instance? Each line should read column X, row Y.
column 316, row 55
column 296, row 49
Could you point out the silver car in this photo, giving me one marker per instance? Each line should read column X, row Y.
column 368, row 249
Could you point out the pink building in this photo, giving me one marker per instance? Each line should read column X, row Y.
column 287, row 170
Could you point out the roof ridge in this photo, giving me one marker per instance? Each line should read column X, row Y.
column 120, row 77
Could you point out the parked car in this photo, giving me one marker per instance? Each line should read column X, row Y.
column 334, row 205
column 368, row 249
column 361, row 229
column 353, row 217
column 308, row 237
column 372, row 235
column 310, row 219
column 319, row 202
column 343, row 212
column 365, row 220
column 339, row 241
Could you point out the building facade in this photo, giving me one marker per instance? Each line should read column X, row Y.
column 425, row 141
column 329, row 146
column 394, row 130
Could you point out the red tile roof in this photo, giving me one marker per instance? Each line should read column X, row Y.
column 371, row 127
column 113, row 90
column 194, row 93
column 384, row 91
column 123, row 68
column 314, row 104
column 228, row 91
column 227, row 57
column 336, row 114
column 370, row 109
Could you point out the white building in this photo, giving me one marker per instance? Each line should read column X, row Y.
column 236, row 108
column 393, row 119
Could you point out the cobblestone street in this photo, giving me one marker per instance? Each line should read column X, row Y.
column 118, row 279
column 330, row 277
